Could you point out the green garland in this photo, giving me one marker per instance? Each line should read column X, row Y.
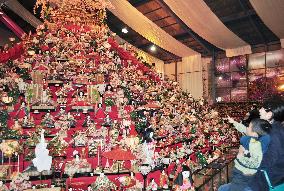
column 134, row 115
column 109, row 102
column 193, row 129
column 14, row 93
column 139, row 126
column 4, row 118
column 24, row 74
column 201, row 159
column 5, row 132
column 127, row 93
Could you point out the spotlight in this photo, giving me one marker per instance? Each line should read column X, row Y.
column 153, row 48
column 124, row 30
column 220, row 77
column 1, row 13
column 218, row 99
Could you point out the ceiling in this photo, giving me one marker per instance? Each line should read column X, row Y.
column 238, row 15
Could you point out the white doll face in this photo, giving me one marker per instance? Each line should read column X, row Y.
column 185, row 174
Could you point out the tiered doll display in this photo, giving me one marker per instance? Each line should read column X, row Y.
column 92, row 97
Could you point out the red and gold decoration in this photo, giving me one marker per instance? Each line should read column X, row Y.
column 104, row 112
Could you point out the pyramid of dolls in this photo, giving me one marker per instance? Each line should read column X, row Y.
column 102, row 109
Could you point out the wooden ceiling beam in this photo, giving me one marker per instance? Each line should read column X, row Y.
column 160, row 19
column 238, row 16
column 182, row 36
column 152, row 11
column 135, row 39
column 253, row 24
column 137, row 3
column 168, row 25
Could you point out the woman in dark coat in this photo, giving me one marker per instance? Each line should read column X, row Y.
column 273, row 159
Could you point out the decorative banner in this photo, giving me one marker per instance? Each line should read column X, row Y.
column 149, row 30
column 271, row 13
column 192, row 81
column 199, row 17
column 11, row 25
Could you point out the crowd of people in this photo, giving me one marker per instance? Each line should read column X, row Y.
column 261, row 149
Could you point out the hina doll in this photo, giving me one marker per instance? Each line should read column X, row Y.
column 3, row 187
column 88, row 121
column 61, row 100
column 22, row 112
column 71, row 120
column 22, row 86
column 48, row 121
column 100, row 114
column 153, row 185
column 148, row 146
column 108, row 92
column 60, row 114
column 176, row 168
column 126, row 127
column 164, row 180
column 44, row 84
column 102, row 183
column 183, row 181
column 64, row 90
column 17, row 127
column 120, row 98
column 28, row 121
column 45, row 97
column 80, row 99
column 107, row 121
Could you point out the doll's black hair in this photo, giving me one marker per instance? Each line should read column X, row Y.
column 179, row 178
column 146, row 135
column 108, row 85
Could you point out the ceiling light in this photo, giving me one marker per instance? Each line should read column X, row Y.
column 220, row 77
column 281, row 87
column 153, row 48
column 218, row 99
column 124, row 30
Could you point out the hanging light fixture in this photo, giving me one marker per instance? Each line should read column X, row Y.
column 124, row 30
column 153, row 48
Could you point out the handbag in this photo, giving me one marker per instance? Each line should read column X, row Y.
column 273, row 188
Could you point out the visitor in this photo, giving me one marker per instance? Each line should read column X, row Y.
column 253, row 145
column 252, row 114
column 241, row 127
column 273, row 159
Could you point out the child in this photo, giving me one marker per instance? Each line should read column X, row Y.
column 253, row 145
